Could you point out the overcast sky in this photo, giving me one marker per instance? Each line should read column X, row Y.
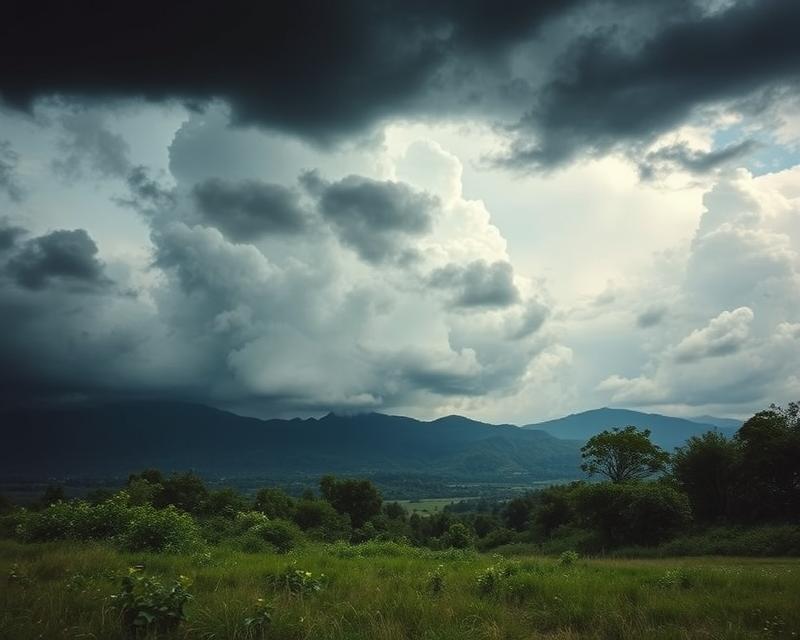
column 507, row 210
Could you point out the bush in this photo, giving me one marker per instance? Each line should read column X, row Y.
column 321, row 521
column 643, row 513
column 169, row 530
column 298, row 581
column 435, row 582
column 490, row 581
column 283, row 536
column 568, row 558
column 457, row 537
column 245, row 521
column 59, row 521
column 496, row 538
column 148, row 607
column 76, row 520
column 776, row 540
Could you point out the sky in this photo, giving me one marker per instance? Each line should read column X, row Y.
column 511, row 211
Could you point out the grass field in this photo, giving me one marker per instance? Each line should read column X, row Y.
column 428, row 506
column 385, row 591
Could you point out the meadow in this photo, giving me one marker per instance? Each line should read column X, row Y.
column 428, row 506
column 385, row 590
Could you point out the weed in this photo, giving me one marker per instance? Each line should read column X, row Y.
column 149, row 606
column 260, row 619
column 435, row 583
column 298, row 581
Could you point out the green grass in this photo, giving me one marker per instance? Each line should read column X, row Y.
column 381, row 591
column 429, row 506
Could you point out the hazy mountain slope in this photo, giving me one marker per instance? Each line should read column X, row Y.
column 666, row 431
column 722, row 423
column 113, row 440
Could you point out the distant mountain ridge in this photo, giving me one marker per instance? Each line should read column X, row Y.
column 665, row 431
column 116, row 439
column 722, row 423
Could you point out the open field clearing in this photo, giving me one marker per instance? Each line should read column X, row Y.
column 386, row 590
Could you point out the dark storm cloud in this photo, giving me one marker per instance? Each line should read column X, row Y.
column 478, row 284
column 9, row 234
column 249, row 209
column 146, row 193
column 682, row 157
column 607, row 93
column 8, row 171
column 87, row 142
column 326, row 70
column 317, row 68
column 375, row 218
column 68, row 256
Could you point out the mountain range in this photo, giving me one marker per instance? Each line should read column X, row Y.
column 115, row 439
column 667, row 432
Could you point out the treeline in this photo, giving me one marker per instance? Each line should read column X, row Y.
column 712, row 482
column 705, row 498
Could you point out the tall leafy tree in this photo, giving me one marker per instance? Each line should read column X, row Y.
column 770, row 464
column 706, row 469
column 623, row 455
column 360, row 499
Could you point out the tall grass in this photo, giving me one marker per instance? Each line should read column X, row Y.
column 382, row 591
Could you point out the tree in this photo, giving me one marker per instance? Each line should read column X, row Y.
column 321, row 520
column 623, row 455
column 186, row 491
column 274, row 503
column 225, row 502
column 518, row 513
column 53, row 493
column 770, row 464
column 555, row 508
column 457, row 536
column 642, row 513
column 360, row 499
column 394, row 511
column 706, row 469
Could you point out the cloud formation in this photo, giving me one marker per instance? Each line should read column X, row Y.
column 310, row 67
column 65, row 256
column 602, row 75
column 249, row 209
column 375, row 218
column 478, row 284
column 613, row 89
column 9, row 182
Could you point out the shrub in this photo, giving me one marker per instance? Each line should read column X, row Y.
column 496, row 538
column 59, row 521
column 568, row 558
column 321, row 521
column 76, row 520
column 298, row 581
column 490, row 581
column 244, row 521
column 261, row 618
column 169, row 529
column 457, row 536
column 280, row 534
column 274, row 503
column 644, row 513
column 435, row 582
column 775, row 540
column 147, row 606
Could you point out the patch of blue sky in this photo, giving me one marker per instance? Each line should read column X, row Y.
column 768, row 156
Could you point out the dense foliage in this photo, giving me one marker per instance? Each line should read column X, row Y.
column 750, row 479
